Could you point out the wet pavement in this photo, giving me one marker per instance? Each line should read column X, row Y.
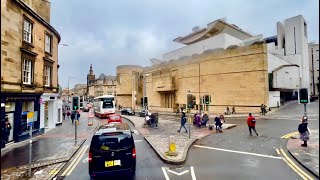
column 307, row 156
column 56, row 144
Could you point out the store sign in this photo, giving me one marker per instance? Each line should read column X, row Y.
column 20, row 98
column 30, row 116
column 3, row 104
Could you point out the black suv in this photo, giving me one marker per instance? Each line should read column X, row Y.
column 127, row 111
column 112, row 152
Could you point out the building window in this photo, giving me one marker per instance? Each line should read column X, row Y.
column 27, row 31
column 47, row 75
column 48, row 43
column 26, row 71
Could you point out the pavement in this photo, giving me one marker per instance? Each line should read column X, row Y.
column 168, row 125
column 50, row 151
column 306, row 156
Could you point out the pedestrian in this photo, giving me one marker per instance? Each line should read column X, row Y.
column 7, row 128
column 64, row 113
column 228, row 110
column 68, row 114
column 264, row 109
column 251, row 121
column 222, row 119
column 205, row 119
column 177, row 112
column 73, row 116
column 198, row 120
column 218, row 124
column 78, row 114
column 233, row 110
column 304, row 132
column 183, row 122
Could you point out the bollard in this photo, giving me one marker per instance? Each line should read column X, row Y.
column 172, row 144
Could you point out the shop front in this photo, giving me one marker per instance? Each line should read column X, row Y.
column 50, row 111
column 13, row 105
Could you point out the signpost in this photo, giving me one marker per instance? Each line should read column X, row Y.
column 90, row 117
column 30, row 116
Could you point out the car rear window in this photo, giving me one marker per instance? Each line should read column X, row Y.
column 114, row 117
column 111, row 141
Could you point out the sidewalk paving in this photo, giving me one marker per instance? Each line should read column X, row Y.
column 50, row 151
column 158, row 137
column 307, row 156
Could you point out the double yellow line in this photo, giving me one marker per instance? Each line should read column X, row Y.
column 289, row 135
column 75, row 161
column 293, row 166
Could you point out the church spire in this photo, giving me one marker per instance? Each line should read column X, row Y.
column 90, row 71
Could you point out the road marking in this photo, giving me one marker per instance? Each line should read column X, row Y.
column 278, row 152
column 179, row 174
column 77, row 162
column 54, row 171
column 137, row 141
column 240, row 152
column 73, row 161
column 165, row 173
column 289, row 135
column 136, row 132
column 301, row 172
column 85, row 160
column 193, row 175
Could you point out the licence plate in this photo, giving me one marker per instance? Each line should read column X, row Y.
column 112, row 163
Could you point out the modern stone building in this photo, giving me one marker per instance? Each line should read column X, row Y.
column 103, row 85
column 29, row 67
column 234, row 67
column 129, row 86
column 314, row 68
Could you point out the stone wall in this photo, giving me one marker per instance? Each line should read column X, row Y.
column 235, row 77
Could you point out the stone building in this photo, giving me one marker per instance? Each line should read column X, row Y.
column 129, row 86
column 103, row 85
column 314, row 68
column 234, row 67
column 29, row 67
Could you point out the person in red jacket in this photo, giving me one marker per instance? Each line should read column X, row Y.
column 251, row 121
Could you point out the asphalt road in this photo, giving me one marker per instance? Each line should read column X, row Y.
column 232, row 154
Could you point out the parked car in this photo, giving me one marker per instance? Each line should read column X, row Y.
column 127, row 111
column 143, row 113
column 114, row 118
column 112, row 152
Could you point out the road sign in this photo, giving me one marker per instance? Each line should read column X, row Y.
column 30, row 123
column 30, row 116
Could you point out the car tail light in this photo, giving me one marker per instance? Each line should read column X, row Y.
column 90, row 157
column 134, row 153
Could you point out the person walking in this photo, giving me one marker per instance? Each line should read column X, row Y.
column 64, row 113
column 251, row 121
column 68, row 114
column 73, row 116
column 78, row 114
column 304, row 132
column 183, row 122
column 233, row 110
column 205, row 119
column 198, row 120
column 228, row 111
column 7, row 128
column 218, row 124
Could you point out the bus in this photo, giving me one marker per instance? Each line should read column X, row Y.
column 104, row 106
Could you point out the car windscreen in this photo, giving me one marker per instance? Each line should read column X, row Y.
column 111, row 141
column 107, row 103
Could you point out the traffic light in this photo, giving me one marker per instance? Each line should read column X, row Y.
column 303, row 95
column 75, row 103
column 207, row 99
column 191, row 100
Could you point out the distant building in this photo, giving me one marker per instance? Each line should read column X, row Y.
column 314, row 68
column 29, row 67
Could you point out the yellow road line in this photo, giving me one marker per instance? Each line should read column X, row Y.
column 278, row 152
column 305, row 175
column 304, row 178
column 74, row 165
column 72, row 162
column 289, row 135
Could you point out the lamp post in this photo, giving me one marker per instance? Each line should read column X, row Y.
column 69, row 88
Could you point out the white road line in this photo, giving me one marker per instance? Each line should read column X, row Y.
column 179, row 174
column 193, row 175
column 240, row 152
column 137, row 141
column 165, row 173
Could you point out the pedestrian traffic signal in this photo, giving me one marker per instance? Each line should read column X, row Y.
column 191, row 101
column 303, row 95
column 75, row 102
column 207, row 99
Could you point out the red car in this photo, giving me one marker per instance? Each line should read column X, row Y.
column 114, row 118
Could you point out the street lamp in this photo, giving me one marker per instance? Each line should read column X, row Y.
column 144, row 90
column 69, row 88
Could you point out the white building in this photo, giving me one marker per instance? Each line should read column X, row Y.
column 287, row 53
column 314, row 68
column 50, row 111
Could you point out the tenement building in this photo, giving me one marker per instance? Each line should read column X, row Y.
column 29, row 67
column 314, row 68
column 236, row 68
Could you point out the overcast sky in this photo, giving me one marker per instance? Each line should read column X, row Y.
column 108, row 33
